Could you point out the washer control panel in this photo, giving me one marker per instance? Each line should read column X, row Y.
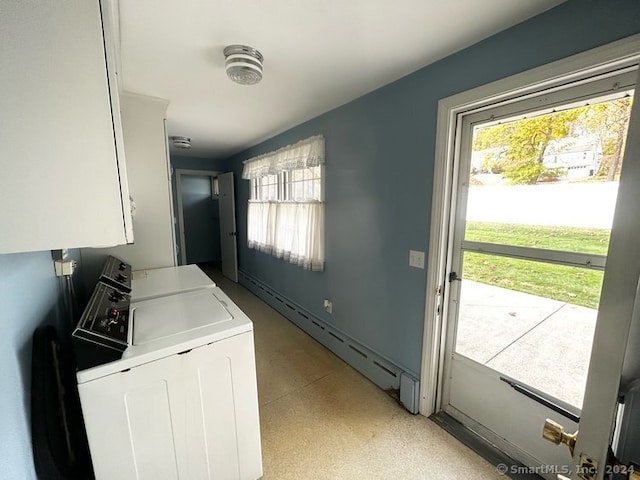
column 117, row 274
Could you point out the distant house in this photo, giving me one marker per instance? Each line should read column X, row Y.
column 578, row 157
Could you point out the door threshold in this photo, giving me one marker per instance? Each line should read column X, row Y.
column 482, row 447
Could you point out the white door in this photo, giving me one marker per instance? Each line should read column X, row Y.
column 543, row 266
column 228, row 232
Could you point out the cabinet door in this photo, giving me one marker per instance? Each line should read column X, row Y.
column 62, row 184
column 222, row 424
column 191, row 416
column 133, row 421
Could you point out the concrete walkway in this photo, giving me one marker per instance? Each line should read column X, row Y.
column 541, row 342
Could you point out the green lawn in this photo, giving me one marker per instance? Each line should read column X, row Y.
column 583, row 240
column 579, row 286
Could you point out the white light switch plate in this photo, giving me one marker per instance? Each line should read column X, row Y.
column 416, row 259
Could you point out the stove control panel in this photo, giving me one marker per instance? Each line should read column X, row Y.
column 117, row 274
column 102, row 333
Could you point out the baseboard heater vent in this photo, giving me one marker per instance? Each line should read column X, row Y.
column 336, row 337
column 390, row 372
column 358, row 351
column 375, row 367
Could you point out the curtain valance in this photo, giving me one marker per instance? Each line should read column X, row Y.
column 303, row 154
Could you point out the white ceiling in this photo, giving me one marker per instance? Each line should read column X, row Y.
column 318, row 54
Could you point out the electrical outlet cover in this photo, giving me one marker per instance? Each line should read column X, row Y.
column 416, row 259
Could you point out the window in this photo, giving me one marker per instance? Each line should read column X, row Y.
column 286, row 205
column 215, row 188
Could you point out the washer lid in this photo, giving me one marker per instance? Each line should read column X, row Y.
column 178, row 314
column 159, row 282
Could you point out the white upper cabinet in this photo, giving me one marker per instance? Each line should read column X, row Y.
column 62, row 173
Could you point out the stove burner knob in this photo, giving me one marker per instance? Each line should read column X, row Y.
column 121, row 277
column 122, row 266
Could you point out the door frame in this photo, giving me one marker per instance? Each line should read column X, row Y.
column 618, row 54
column 179, row 173
column 172, row 211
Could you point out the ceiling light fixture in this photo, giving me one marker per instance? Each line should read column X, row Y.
column 180, row 142
column 243, row 64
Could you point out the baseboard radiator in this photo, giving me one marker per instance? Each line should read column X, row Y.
column 389, row 377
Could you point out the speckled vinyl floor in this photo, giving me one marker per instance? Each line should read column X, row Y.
column 320, row 419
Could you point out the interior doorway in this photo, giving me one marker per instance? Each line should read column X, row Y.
column 200, row 211
column 197, row 190
column 206, row 228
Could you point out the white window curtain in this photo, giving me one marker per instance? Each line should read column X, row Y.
column 288, row 229
column 304, row 154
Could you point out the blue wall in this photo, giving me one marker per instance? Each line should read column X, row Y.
column 30, row 297
column 378, row 184
column 189, row 163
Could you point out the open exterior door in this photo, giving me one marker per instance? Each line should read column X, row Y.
column 228, row 233
column 499, row 401
column 518, row 351
column 619, row 310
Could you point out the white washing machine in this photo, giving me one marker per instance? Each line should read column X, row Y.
column 178, row 397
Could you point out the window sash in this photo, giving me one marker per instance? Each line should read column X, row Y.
column 298, row 185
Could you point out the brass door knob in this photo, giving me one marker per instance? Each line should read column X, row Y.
column 554, row 433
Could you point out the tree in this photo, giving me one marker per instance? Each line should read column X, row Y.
column 523, row 142
column 526, row 141
column 609, row 121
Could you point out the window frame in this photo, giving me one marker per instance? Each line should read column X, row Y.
column 284, row 184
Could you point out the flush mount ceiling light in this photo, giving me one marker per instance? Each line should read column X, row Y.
column 180, row 142
column 243, row 64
